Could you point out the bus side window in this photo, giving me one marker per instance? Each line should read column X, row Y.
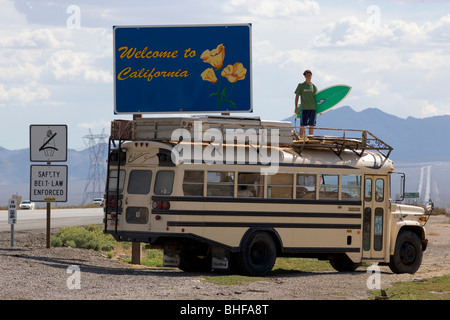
column 220, row 184
column 193, row 183
column 351, row 187
column 164, row 182
column 306, row 186
column 250, row 184
column 329, row 186
column 280, row 185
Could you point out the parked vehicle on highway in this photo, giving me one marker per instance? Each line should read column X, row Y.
column 27, row 204
column 98, row 201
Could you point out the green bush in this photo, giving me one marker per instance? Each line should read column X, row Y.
column 89, row 237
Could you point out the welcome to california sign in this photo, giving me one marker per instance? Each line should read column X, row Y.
column 167, row 69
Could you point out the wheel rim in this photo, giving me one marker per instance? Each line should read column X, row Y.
column 408, row 253
column 259, row 254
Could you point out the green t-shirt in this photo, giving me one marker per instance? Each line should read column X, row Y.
column 306, row 93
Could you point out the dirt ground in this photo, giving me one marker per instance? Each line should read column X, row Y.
column 32, row 272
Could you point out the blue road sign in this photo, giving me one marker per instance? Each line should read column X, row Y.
column 167, row 69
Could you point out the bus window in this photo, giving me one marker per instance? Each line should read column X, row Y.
column 112, row 183
column 368, row 190
column 193, row 183
column 306, row 186
column 367, row 226
column 351, row 187
column 378, row 230
column 220, row 183
column 139, row 181
column 138, row 215
column 329, row 186
column 280, row 186
column 250, row 184
column 164, row 182
column 379, row 190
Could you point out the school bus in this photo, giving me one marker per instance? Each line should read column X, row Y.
column 223, row 193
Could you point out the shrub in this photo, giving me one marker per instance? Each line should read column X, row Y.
column 90, row 237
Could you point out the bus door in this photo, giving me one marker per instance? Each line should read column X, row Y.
column 375, row 217
column 137, row 200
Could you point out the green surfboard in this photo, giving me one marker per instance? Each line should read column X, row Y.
column 329, row 97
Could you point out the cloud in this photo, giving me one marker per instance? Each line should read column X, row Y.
column 272, row 9
column 99, row 124
column 70, row 65
column 22, row 95
column 350, row 31
column 40, row 38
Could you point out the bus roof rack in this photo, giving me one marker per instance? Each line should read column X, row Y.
column 337, row 140
column 357, row 141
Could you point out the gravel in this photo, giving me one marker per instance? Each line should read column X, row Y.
column 31, row 271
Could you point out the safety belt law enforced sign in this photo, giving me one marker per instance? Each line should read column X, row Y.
column 48, row 183
column 197, row 68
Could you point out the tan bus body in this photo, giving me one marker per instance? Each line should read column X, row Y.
column 220, row 211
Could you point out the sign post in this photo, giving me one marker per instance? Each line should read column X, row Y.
column 12, row 217
column 48, row 143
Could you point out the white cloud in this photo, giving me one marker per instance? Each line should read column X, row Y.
column 40, row 38
column 351, row 31
column 96, row 125
column 9, row 15
column 70, row 65
column 272, row 9
column 22, row 95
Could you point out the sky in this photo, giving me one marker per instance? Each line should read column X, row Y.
column 56, row 56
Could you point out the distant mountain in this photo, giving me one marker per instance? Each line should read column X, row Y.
column 421, row 150
column 412, row 139
column 15, row 173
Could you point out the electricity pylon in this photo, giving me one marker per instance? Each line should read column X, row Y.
column 95, row 182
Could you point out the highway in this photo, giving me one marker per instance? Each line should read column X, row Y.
column 36, row 219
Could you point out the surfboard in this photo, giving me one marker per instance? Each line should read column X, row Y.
column 329, row 97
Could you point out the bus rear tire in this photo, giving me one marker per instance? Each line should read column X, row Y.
column 258, row 254
column 193, row 260
column 342, row 263
column 408, row 253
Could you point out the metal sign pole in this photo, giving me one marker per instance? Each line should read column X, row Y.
column 48, row 225
column 12, row 235
column 12, row 217
column 48, row 219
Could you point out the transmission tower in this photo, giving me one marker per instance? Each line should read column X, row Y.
column 95, row 182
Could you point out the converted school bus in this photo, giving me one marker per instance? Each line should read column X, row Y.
column 212, row 201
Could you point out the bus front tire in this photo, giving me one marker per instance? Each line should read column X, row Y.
column 408, row 253
column 258, row 254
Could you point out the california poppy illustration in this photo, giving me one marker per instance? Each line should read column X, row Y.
column 233, row 73
column 214, row 57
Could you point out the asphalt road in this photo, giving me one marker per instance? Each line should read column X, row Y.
column 36, row 219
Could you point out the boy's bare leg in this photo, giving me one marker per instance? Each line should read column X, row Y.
column 302, row 131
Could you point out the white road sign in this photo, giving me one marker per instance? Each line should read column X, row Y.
column 12, row 211
column 48, row 143
column 48, row 183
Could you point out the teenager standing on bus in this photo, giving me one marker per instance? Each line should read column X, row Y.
column 306, row 92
